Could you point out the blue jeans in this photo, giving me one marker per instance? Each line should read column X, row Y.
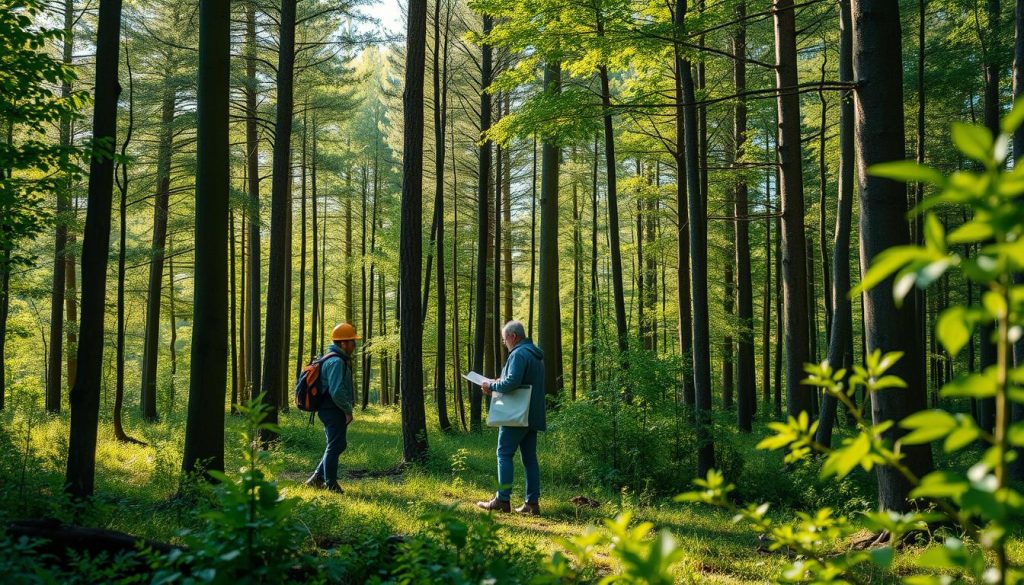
column 336, row 429
column 525, row 439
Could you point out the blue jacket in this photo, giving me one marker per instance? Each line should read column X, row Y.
column 337, row 374
column 525, row 366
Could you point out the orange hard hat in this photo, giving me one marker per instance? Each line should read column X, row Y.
column 344, row 332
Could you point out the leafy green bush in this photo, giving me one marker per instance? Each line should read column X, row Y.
column 645, row 444
column 981, row 503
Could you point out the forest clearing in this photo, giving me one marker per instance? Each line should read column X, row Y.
column 512, row 291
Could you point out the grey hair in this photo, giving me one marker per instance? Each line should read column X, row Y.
column 514, row 327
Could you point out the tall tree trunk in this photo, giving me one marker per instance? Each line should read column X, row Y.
column 577, row 251
column 204, row 431
column 414, row 424
column 697, row 218
column 233, row 297
column 496, row 324
column 300, row 353
column 618, row 295
column 275, row 325
column 316, row 336
column 173, row 318
column 842, row 320
column 549, row 322
column 729, row 302
column 85, row 394
column 791, row 197
column 826, row 281
column 122, row 187
column 766, row 303
column 878, row 70
column 593, row 264
column 60, row 240
column 253, row 160
column 506, row 209
column 151, row 340
column 283, row 386
column 483, row 193
column 746, row 386
column 991, row 51
column 440, row 79
column 683, row 221
column 460, row 405
column 533, row 235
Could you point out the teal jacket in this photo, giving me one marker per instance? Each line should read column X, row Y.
column 525, row 367
column 337, row 376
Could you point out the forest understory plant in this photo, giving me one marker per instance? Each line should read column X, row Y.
column 974, row 513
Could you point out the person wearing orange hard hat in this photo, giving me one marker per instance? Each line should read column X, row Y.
column 336, row 413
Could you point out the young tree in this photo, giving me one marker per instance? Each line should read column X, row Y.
column 204, row 431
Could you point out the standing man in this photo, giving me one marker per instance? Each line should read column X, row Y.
column 524, row 367
column 336, row 413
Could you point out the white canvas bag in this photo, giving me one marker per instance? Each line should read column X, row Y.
column 510, row 409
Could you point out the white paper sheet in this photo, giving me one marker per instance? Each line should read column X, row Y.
column 474, row 377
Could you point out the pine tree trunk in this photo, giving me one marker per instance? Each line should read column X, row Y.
column 252, row 145
column 276, row 295
column 746, row 385
column 483, row 193
column 533, row 236
column 697, row 218
column 877, row 64
column 122, row 186
column 301, row 352
column 414, row 424
column 151, row 340
column 440, row 79
column 85, row 395
column 549, row 323
column 683, row 221
column 618, row 295
column 204, row 431
column 842, row 320
column 791, row 195
column 60, row 240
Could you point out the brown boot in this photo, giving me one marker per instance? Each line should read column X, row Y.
column 528, row 508
column 496, row 505
column 316, row 481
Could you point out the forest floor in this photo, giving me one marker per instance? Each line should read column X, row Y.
column 136, row 487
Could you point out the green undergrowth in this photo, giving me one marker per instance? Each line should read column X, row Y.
column 139, row 489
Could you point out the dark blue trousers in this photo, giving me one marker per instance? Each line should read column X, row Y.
column 337, row 430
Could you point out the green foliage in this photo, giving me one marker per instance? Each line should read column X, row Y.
column 982, row 503
column 31, row 166
column 249, row 536
column 646, row 446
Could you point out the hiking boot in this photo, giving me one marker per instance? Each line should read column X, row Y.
column 316, row 481
column 334, row 488
column 495, row 505
column 528, row 508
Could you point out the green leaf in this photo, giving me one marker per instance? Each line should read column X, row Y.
column 927, row 426
column 1016, row 434
column 882, row 557
column 884, row 265
column 974, row 141
column 962, row 437
column 907, row 171
column 970, row 386
column 971, row 232
column 934, row 233
column 954, row 329
column 1013, row 119
column 842, row 461
column 940, row 485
